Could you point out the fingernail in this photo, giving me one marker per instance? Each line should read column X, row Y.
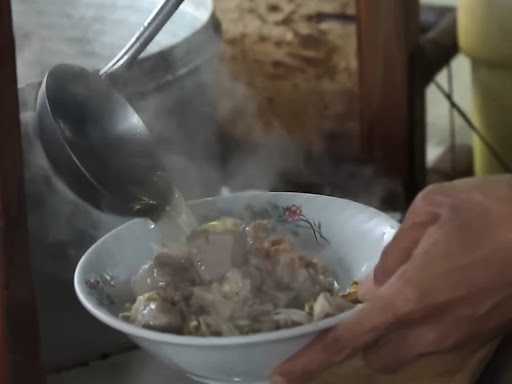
column 278, row 380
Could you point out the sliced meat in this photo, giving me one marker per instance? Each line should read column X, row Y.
column 153, row 312
column 288, row 317
column 216, row 252
column 236, row 286
column 233, row 279
column 257, row 233
column 166, row 271
column 210, row 300
column 178, row 267
column 327, row 305
column 149, row 279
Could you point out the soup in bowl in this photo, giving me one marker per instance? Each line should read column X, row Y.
column 258, row 279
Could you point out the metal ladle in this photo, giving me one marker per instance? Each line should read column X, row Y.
column 94, row 139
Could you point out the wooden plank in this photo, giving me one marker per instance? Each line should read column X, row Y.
column 19, row 333
column 388, row 33
column 4, row 373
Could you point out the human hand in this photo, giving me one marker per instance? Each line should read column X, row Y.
column 444, row 283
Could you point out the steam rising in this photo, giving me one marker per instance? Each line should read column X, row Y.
column 62, row 227
column 203, row 159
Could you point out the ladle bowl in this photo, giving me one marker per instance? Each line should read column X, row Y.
column 94, row 139
column 99, row 145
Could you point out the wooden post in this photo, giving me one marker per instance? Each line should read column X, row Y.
column 19, row 332
column 392, row 103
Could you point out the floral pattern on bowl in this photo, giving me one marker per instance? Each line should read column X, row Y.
column 291, row 217
column 108, row 291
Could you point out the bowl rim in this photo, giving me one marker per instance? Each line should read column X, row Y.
column 208, row 341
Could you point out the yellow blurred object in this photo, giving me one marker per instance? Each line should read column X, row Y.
column 485, row 36
column 352, row 294
column 224, row 224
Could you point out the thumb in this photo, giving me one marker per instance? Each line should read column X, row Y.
column 400, row 249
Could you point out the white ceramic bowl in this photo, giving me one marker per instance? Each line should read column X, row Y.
column 348, row 236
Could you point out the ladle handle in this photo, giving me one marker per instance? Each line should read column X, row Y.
column 152, row 26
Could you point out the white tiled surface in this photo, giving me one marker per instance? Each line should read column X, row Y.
column 130, row 368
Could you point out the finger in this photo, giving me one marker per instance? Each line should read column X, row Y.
column 439, row 333
column 406, row 240
column 398, row 350
column 367, row 288
column 364, row 325
column 465, row 327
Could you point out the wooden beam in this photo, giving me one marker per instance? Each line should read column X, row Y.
column 388, row 35
column 19, row 332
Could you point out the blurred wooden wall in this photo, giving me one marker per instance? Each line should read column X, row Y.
column 373, row 109
column 392, row 101
column 290, row 66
